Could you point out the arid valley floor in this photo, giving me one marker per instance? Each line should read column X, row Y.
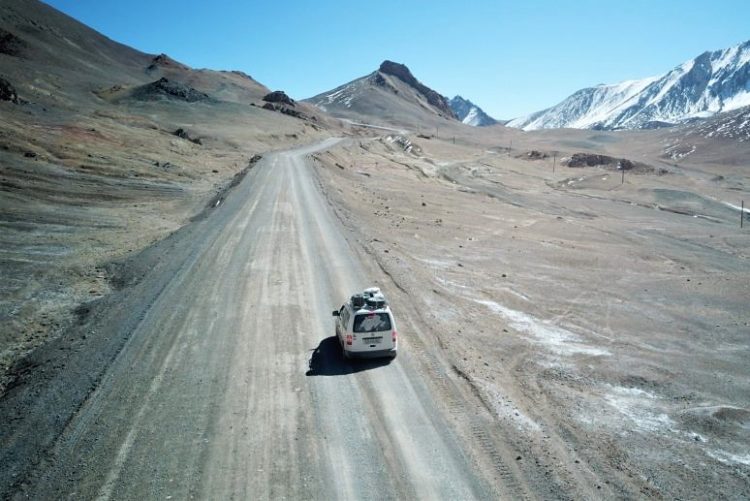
column 172, row 245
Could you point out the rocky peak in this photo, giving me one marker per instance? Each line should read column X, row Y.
column 402, row 72
column 164, row 61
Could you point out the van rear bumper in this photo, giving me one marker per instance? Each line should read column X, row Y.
column 391, row 353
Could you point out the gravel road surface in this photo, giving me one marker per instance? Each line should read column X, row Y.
column 231, row 386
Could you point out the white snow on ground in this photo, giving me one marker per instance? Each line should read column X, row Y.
column 637, row 406
column 557, row 339
column 737, row 207
column 726, row 457
column 472, row 118
column 737, row 101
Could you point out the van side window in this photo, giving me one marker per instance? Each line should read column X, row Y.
column 344, row 316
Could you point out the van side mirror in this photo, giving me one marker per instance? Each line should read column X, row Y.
column 335, row 313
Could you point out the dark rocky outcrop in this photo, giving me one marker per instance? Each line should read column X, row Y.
column 164, row 61
column 182, row 133
column 10, row 44
column 534, row 155
column 401, row 72
column 278, row 96
column 168, row 89
column 379, row 80
column 286, row 111
column 607, row 162
column 7, row 92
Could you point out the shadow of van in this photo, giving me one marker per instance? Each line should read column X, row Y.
column 328, row 360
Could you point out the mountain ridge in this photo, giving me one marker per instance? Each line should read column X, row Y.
column 469, row 113
column 391, row 94
column 712, row 82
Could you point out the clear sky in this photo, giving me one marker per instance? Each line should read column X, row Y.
column 510, row 58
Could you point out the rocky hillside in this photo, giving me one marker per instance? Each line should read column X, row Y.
column 392, row 94
column 714, row 82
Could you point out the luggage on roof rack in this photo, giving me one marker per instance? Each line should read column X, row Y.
column 358, row 300
column 370, row 298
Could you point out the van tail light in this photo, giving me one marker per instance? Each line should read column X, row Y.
column 348, row 339
column 394, row 336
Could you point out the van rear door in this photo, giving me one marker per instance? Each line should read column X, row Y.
column 372, row 331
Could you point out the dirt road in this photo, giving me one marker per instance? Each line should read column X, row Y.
column 231, row 387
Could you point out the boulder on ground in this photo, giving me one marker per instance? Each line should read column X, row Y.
column 278, row 96
column 164, row 88
column 7, row 92
column 10, row 44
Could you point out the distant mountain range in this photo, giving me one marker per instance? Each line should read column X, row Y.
column 469, row 113
column 713, row 82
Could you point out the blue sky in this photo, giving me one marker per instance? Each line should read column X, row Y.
column 510, row 58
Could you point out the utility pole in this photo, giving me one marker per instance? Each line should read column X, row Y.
column 622, row 181
column 742, row 213
column 554, row 159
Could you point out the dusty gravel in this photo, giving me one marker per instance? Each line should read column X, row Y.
column 219, row 378
column 562, row 335
column 603, row 324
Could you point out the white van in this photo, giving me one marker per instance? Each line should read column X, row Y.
column 365, row 326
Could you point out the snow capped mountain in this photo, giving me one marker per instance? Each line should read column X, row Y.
column 713, row 82
column 469, row 113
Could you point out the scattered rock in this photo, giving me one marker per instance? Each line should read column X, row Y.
column 278, row 96
column 182, row 133
column 379, row 80
column 535, row 155
column 7, row 92
column 164, row 61
column 291, row 112
column 283, row 109
column 168, row 89
column 594, row 160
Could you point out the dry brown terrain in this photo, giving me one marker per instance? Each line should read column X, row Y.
column 605, row 325
column 170, row 252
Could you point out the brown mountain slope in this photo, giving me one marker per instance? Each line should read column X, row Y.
column 390, row 95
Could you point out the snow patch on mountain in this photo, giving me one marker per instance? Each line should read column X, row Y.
column 469, row 113
column 713, row 82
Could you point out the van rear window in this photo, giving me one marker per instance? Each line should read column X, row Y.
column 372, row 322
